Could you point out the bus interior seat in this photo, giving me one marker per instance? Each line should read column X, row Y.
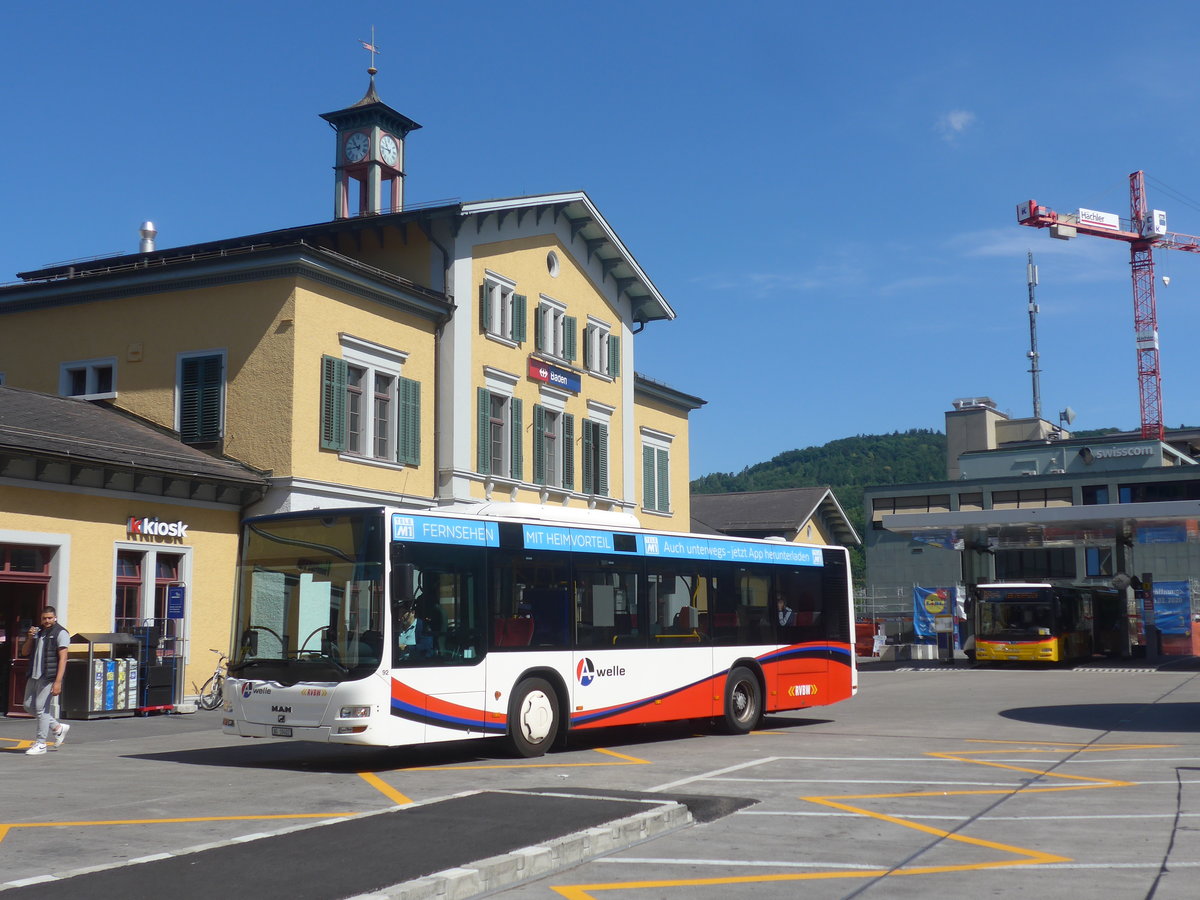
column 513, row 632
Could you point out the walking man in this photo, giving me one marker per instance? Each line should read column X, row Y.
column 48, row 644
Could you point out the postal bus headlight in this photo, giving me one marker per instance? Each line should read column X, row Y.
column 355, row 712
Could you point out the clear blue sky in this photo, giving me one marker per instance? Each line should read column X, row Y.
column 825, row 193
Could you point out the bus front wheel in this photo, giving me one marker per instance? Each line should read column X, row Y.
column 743, row 701
column 533, row 719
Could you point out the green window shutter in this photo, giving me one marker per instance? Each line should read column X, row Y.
column 519, row 305
column 333, row 403
column 408, row 432
column 539, row 339
column 569, row 326
column 602, row 459
column 483, row 459
column 648, row 498
column 518, row 432
column 614, row 355
column 588, row 425
column 664, row 481
column 587, row 350
column 539, row 444
column 568, row 452
column 485, row 308
column 200, row 399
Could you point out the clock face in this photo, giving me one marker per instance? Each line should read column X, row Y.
column 389, row 150
column 357, row 146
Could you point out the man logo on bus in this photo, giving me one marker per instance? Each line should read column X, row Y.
column 585, row 672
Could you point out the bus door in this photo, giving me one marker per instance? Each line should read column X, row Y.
column 677, row 609
column 801, row 621
column 438, row 636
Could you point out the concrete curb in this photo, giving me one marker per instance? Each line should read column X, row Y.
column 530, row 863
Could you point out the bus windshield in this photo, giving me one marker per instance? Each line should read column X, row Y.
column 1011, row 614
column 310, row 598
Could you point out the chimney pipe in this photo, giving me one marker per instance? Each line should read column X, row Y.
column 148, row 233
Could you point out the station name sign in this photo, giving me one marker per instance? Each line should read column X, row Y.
column 554, row 376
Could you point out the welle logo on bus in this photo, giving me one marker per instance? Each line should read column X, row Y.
column 586, row 672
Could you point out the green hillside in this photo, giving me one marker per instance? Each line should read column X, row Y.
column 847, row 465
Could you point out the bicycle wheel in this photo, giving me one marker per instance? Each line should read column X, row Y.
column 210, row 694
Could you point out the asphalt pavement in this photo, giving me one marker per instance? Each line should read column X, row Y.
column 168, row 801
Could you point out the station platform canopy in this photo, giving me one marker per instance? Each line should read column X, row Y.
column 1172, row 521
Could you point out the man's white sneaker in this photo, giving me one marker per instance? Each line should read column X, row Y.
column 36, row 750
column 61, row 734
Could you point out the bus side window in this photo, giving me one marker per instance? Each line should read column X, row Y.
column 606, row 605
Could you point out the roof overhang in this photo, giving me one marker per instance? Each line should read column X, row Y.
column 192, row 269
column 602, row 244
column 1066, row 525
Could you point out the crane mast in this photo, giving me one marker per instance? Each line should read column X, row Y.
column 1147, row 230
column 1032, row 278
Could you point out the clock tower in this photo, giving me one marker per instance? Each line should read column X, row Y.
column 370, row 153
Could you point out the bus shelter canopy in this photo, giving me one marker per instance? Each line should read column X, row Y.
column 1061, row 526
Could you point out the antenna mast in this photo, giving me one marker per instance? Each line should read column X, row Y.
column 1031, row 276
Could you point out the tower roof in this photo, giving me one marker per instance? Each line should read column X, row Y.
column 370, row 109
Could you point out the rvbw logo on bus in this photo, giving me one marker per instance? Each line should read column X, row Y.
column 155, row 527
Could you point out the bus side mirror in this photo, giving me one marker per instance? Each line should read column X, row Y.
column 250, row 642
column 402, row 582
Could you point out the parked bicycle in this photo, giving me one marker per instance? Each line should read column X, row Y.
column 213, row 692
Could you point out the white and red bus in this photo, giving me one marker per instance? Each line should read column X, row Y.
column 389, row 627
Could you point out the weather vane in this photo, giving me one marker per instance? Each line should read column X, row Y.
column 373, row 48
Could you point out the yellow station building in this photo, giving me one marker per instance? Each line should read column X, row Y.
column 459, row 354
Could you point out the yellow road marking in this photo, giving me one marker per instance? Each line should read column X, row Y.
column 1024, row 856
column 384, row 788
column 18, row 744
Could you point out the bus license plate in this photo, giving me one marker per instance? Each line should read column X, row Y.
column 281, row 731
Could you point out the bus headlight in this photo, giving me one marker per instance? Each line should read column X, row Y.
column 355, row 712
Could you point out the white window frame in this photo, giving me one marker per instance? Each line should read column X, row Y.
column 551, row 315
column 149, row 570
column 374, row 359
column 659, row 442
column 500, row 292
column 600, row 414
column 503, row 462
column 554, row 402
column 91, row 367
column 595, row 339
column 501, row 385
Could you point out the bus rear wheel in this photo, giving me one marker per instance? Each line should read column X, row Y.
column 533, row 718
column 743, row 701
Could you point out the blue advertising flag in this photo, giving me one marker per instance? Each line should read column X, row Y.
column 927, row 604
column 1172, row 606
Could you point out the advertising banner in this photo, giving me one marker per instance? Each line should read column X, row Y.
column 1172, row 606
column 928, row 604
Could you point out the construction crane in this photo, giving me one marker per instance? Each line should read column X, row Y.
column 1146, row 230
